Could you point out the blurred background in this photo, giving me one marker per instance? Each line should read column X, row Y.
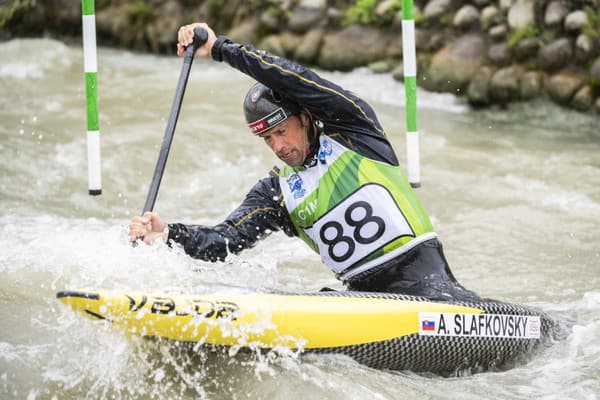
column 492, row 52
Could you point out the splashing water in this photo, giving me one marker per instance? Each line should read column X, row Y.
column 514, row 195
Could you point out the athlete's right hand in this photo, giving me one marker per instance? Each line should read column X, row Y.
column 149, row 227
column 185, row 37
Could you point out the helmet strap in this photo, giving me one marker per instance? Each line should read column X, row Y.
column 313, row 146
column 312, row 132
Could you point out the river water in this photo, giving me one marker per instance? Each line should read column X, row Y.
column 514, row 195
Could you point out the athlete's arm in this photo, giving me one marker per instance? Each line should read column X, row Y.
column 342, row 113
column 261, row 213
column 346, row 117
column 324, row 99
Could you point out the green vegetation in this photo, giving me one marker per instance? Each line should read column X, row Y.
column 419, row 18
column 14, row 10
column 446, row 20
column 272, row 7
column 215, row 5
column 140, row 13
column 520, row 34
column 364, row 12
column 594, row 83
column 99, row 4
column 593, row 28
column 497, row 20
column 531, row 66
column 548, row 35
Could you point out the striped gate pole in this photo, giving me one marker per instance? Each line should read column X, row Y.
column 90, row 68
column 409, row 56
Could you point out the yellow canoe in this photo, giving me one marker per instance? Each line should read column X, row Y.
column 379, row 330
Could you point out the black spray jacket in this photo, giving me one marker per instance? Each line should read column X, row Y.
column 342, row 115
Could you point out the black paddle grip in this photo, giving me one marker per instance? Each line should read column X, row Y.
column 200, row 37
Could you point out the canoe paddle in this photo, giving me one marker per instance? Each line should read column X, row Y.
column 200, row 37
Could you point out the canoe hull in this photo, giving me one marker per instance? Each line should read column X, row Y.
column 379, row 330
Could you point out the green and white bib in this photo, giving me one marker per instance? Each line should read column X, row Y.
column 355, row 212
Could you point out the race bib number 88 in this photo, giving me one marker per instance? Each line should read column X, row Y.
column 359, row 225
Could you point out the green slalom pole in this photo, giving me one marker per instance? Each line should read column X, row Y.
column 409, row 55
column 90, row 67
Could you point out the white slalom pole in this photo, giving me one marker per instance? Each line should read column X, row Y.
column 90, row 67
column 409, row 55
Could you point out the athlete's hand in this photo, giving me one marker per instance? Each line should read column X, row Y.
column 149, row 227
column 185, row 37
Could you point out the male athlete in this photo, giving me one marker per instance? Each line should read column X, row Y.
column 341, row 189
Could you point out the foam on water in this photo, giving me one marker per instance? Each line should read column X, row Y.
column 33, row 58
column 540, row 193
column 103, row 362
column 94, row 253
column 498, row 183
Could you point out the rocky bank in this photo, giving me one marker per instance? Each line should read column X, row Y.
column 491, row 51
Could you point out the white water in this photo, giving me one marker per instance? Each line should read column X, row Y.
column 514, row 195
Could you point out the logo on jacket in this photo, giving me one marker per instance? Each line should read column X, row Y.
column 326, row 150
column 295, row 184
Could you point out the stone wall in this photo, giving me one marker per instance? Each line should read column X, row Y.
column 491, row 51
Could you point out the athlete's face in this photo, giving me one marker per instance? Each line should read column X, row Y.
column 289, row 140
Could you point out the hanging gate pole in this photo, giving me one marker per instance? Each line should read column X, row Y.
column 90, row 67
column 409, row 56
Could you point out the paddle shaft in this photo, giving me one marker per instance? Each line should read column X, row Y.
column 200, row 37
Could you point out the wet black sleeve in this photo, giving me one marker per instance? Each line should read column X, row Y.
column 261, row 213
column 341, row 112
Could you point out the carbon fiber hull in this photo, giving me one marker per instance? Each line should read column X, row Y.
column 449, row 354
